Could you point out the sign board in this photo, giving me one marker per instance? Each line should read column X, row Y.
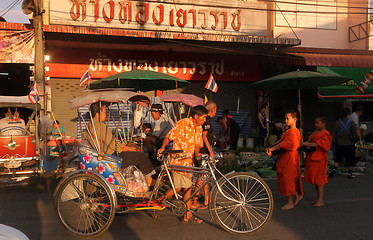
column 211, row 17
column 73, row 62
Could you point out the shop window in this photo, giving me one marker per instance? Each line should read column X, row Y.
column 314, row 14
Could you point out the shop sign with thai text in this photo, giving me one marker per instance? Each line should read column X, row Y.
column 193, row 16
column 185, row 66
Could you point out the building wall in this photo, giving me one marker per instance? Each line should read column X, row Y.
column 323, row 30
column 64, row 90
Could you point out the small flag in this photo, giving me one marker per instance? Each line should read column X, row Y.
column 85, row 78
column 34, row 94
column 211, row 84
column 206, row 99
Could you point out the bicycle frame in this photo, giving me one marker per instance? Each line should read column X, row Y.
column 210, row 171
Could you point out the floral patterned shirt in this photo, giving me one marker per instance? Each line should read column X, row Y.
column 185, row 136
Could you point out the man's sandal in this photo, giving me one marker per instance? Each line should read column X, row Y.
column 194, row 220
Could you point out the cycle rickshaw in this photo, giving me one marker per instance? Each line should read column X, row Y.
column 20, row 155
column 88, row 199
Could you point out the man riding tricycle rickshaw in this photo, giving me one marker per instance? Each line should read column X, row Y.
column 116, row 177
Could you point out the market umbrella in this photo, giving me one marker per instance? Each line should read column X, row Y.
column 299, row 80
column 140, row 80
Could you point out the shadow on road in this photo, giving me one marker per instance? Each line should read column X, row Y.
column 30, row 208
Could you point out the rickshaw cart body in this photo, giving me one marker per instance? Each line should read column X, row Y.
column 20, row 157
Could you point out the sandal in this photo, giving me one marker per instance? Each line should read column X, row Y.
column 194, row 220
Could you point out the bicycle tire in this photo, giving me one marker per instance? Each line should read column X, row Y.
column 85, row 204
column 254, row 209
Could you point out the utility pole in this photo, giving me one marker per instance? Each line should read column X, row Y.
column 39, row 46
column 40, row 58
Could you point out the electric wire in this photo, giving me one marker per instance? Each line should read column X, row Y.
column 9, row 7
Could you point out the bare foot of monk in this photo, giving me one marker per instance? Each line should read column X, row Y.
column 297, row 199
column 318, row 204
column 287, row 206
column 314, row 201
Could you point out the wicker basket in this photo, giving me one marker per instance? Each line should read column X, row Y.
column 249, row 157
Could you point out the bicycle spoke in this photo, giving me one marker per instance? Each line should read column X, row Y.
column 244, row 205
column 91, row 211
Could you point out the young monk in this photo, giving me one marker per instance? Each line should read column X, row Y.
column 288, row 164
column 317, row 161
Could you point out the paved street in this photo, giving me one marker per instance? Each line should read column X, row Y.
column 348, row 214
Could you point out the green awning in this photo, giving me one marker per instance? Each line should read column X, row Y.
column 347, row 91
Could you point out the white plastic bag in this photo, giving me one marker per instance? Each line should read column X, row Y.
column 135, row 180
column 137, row 115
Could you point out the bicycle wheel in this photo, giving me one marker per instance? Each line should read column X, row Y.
column 85, row 204
column 247, row 205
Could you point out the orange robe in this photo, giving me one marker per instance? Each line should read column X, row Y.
column 317, row 161
column 289, row 178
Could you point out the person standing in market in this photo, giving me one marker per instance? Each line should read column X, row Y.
column 209, row 139
column 344, row 135
column 232, row 128
column 359, row 110
column 289, row 177
column 263, row 122
column 355, row 116
column 317, row 160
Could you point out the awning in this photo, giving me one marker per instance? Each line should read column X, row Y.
column 328, row 57
column 346, row 92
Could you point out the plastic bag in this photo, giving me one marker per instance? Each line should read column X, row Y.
column 135, row 180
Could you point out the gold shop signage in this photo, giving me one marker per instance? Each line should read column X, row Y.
column 193, row 16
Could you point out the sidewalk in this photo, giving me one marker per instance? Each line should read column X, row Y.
column 347, row 213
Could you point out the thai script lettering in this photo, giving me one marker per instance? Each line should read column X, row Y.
column 168, row 67
column 155, row 13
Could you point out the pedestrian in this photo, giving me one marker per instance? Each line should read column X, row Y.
column 359, row 110
column 317, row 159
column 222, row 143
column 186, row 135
column 344, row 135
column 289, row 177
column 232, row 128
column 355, row 116
column 263, row 122
column 209, row 139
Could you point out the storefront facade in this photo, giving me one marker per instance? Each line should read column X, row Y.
column 186, row 39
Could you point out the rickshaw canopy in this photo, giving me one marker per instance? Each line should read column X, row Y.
column 110, row 96
column 188, row 99
column 18, row 101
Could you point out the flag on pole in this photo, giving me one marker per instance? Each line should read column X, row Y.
column 34, row 94
column 211, row 84
column 85, row 78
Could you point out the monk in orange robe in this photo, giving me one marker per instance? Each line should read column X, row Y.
column 289, row 178
column 317, row 160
